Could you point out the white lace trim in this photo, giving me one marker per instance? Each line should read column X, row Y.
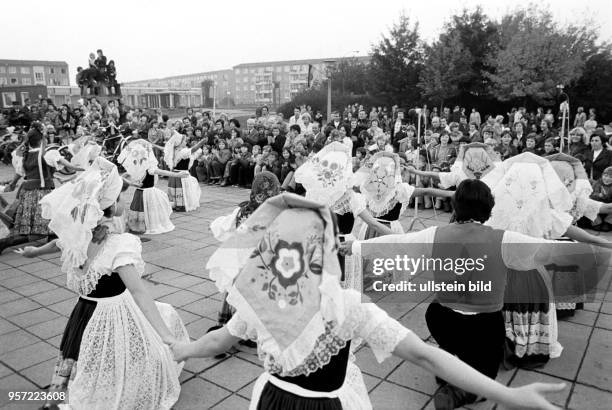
column 363, row 320
column 118, row 250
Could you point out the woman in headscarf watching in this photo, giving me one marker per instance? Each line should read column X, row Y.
column 36, row 167
column 265, row 185
column 327, row 179
column 387, row 198
column 285, row 286
column 184, row 193
column 116, row 332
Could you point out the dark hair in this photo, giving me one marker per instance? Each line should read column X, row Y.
column 295, row 127
column 235, row 122
column 550, row 141
column 109, row 212
column 473, row 200
column 99, row 51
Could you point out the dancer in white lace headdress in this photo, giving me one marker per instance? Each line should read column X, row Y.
column 287, row 294
column 150, row 209
column 387, row 197
column 184, row 193
column 118, row 335
column 328, row 179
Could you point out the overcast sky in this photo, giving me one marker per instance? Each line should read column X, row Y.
column 152, row 39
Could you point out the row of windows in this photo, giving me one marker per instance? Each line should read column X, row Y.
column 26, row 70
column 270, row 69
column 28, row 81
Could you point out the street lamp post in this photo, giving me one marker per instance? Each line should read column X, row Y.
column 564, row 108
column 214, row 98
column 228, row 99
column 329, row 64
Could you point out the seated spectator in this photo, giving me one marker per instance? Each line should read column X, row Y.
column 506, row 148
column 272, row 164
column 599, row 158
column 602, row 192
column 276, row 140
column 530, row 144
column 203, row 162
column 473, row 134
column 111, row 74
column 549, row 147
column 216, row 168
column 577, row 146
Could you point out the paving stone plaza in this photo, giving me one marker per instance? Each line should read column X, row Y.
column 35, row 305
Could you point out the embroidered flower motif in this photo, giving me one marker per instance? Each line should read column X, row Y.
column 287, row 264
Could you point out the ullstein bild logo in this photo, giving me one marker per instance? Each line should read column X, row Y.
column 411, row 266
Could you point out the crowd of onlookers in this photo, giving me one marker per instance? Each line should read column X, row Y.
column 233, row 152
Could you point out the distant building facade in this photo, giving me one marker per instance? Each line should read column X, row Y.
column 277, row 82
column 271, row 83
column 14, row 73
column 223, row 79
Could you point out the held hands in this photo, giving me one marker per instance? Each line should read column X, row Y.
column 179, row 351
column 26, row 252
column 532, row 396
column 346, row 248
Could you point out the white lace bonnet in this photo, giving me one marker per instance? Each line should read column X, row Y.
column 76, row 208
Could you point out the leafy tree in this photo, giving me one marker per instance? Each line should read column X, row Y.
column 594, row 87
column 478, row 35
column 535, row 55
column 350, row 76
column 448, row 66
column 396, row 63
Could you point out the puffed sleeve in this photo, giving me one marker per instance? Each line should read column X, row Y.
column 357, row 203
column 238, row 327
column 17, row 162
column 591, row 208
column 223, row 226
column 52, row 158
column 123, row 250
column 404, row 192
column 448, row 179
column 381, row 332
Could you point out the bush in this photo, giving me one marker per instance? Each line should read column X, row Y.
column 317, row 99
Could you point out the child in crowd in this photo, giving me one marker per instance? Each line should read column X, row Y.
column 602, row 192
column 203, row 162
column 359, row 158
column 272, row 164
column 220, row 156
column 287, row 165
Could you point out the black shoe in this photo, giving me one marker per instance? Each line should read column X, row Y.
column 565, row 313
column 450, row 398
column 248, row 343
column 143, row 240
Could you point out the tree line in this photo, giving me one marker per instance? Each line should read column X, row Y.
column 477, row 61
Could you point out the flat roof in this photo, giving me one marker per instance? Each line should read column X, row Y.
column 311, row 60
column 42, row 62
column 178, row 77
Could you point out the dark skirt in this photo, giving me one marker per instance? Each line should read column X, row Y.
column 136, row 220
column 274, row 398
column 28, row 217
column 79, row 318
column 527, row 314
